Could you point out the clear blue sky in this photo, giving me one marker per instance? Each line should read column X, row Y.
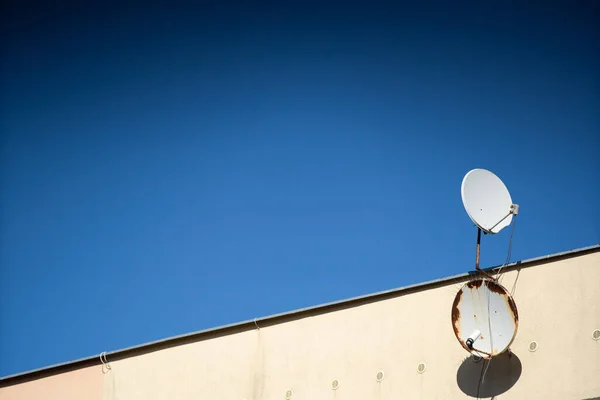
column 168, row 169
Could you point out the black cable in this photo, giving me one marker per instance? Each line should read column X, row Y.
column 510, row 244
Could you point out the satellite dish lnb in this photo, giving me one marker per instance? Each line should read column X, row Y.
column 487, row 201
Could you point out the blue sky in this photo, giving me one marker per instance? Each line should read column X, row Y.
column 170, row 169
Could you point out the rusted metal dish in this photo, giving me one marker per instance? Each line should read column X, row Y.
column 484, row 318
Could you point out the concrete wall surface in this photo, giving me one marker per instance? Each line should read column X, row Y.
column 559, row 308
column 85, row 383
column 558, row 305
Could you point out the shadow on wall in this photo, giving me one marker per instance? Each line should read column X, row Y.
column 501, row 375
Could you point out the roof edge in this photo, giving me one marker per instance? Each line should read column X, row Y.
column 274, row 319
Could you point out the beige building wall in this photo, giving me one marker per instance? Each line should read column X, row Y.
column 559, row 308
column 85, row 383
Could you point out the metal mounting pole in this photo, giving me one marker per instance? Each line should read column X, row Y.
column 478, row 249
column 477, row 255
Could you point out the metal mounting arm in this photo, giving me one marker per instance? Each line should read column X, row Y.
column 514, row 210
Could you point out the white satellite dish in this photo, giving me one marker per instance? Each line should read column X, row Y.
column 487, row 200
column 484, row 318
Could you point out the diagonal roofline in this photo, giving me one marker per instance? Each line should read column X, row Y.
column 274, row 319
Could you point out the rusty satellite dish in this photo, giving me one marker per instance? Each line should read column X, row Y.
column 484, row 318
column 487, row 200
